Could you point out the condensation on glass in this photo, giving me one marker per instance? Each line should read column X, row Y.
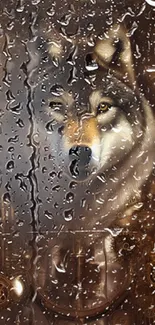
column 77, row 183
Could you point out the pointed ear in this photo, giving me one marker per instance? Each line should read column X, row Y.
column 114, row 52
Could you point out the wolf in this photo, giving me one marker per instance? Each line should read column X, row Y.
column 100, row 135
column 100, row 127
column 92, row 141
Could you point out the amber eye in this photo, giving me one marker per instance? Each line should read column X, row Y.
column 103, row 107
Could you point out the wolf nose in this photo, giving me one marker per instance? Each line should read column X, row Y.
column 80, row 157
column 81, row 153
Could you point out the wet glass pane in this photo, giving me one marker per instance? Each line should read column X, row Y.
column 77, row 158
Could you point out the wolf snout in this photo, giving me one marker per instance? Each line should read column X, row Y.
column 81, row 153
column 80, row 158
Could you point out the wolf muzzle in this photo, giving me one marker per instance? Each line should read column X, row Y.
column 80, row 159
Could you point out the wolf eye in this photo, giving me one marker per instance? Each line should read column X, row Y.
column 103, row 107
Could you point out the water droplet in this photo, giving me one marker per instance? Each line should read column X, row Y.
column 127, row 13
column 64, row 21
column 83, row 202
column 57, row 90
column 22, row 185
column 61, row 130
column 81, row 217
column 133, row 29
column 6, row 197
column 56, row 205
column 51, row 12
column 15, row 234
column 20, row 123
column 56, row 188
column 90, row 27
column 43, row 87
column 73, row 185
column 72, row 76
column 11, row 149
column 10, row 13
column 1, row 31
column 44, row 170
column 60, row 268
column 49, row 200
column 69, row 197
column 8, row 186
column 114, row 232
column 10, row 96
column 49, row 126
column 35, row 2
column 14, row 139
column 48, row 215
column 16, row 109
column 1, row 129
column 20, row 6
column 36, row 139
column 60, row 174
column 52, row 174
column 10, row 25
column 72, row 56
column 91, row 41
column 7, row 77
column 139, row 205
column 20, row 223
column 10, row 165
column 74, row 168
column 50, row 157
column 68, row 214
column 1, row 113
column 90, row 64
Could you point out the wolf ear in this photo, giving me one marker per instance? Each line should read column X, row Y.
column 114, row 52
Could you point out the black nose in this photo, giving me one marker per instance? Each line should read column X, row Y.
column 82, row 154
column 80, row 157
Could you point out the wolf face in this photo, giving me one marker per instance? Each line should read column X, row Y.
column 95, row 127
column 100, row 127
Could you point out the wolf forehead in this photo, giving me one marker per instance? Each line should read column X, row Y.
column 80, row 67
column 76, row 72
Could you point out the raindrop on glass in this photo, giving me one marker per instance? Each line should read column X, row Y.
column 10, row 165
column 69, row 197
column 68, row 214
